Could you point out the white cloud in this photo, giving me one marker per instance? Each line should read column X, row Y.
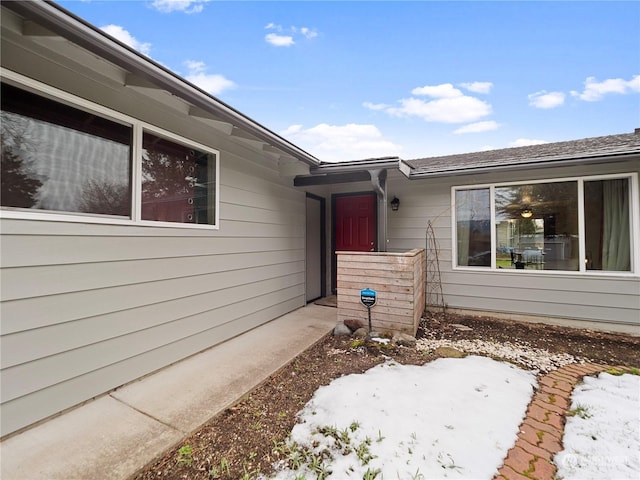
column 125, row 37
column 544, row 99
column 195, row 66
column 458, row 109
column 478, row 127
column 186, row 6
column 285, row 37
column 211, row 83
column 478, row 87
column 279, row 40
column 334, row 143
column 445, row 90
column 308, row 33
column 291, row 130
column 375, row 106
column 594, row 90
column 447, row 105
column 524, row 142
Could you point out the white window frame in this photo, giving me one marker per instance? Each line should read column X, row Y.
column 138, row 127
column 634, row 224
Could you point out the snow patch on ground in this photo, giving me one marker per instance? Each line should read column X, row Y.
column 602, row 437
column 450, row 418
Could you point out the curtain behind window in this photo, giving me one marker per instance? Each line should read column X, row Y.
column 607, row 228
column 473, row 229
column 616, row 245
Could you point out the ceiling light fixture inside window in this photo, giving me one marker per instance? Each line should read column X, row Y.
column 526, row 213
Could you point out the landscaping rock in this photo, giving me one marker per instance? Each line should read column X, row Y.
column 361, row 333
column 404, row 340
column 353, row 324
column 461, row 328
column 449, row 352
column 341, row 330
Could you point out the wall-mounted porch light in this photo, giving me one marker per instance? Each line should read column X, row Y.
column 395, row 204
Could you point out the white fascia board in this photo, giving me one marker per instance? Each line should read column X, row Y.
column 565, row 162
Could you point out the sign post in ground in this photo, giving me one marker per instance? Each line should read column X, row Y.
column 368, row 298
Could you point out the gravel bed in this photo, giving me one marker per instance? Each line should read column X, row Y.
column 539, row 360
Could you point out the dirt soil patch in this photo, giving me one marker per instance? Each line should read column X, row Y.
column 239, row 442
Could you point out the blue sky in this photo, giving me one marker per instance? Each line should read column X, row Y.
column 353, row 80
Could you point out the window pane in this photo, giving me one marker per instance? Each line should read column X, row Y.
column 607, row 232
column 473, row 227
column 178, row 182
column 56, row 157
column 537, row 226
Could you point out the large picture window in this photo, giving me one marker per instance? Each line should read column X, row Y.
column 574, row 225
column 61, row 158
column 537, row 226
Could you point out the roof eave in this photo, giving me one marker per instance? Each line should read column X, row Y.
column 73, row 28
column 412, row 174
column 357, row 165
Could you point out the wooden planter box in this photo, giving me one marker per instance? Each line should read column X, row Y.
column 398, row 279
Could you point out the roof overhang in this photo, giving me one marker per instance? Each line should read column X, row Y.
column 331, row 178
column 414, row 174
column 67, row 25
column 384, row 163
column 346, row 172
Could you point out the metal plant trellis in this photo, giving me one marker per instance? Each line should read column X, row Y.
column 434, row 297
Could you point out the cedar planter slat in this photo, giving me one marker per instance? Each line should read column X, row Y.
column 398, row 279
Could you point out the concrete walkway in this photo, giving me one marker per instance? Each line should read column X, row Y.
column 117, row 434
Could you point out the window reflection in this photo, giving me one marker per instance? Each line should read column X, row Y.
column 178, row 182
column 56, row 157
column 607, row 229
column 473, row 227
column 537, row 226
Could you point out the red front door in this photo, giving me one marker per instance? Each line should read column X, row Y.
column 354, row 226
column 355, row 223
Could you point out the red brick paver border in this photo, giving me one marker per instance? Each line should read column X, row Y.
column 540, row 436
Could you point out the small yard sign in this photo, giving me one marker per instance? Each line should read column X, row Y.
column 368, row 297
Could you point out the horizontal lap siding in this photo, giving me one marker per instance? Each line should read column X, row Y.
column 161, row 304
column 569, row 297
column 89, row 307
column 594, row 297
column 42, row 403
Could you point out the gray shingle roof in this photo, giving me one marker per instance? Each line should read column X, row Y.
column 588, row 148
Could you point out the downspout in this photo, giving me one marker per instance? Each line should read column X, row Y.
column 379, row 183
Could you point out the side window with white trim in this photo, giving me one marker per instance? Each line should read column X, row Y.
column 473, row 227
column 178, row 182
